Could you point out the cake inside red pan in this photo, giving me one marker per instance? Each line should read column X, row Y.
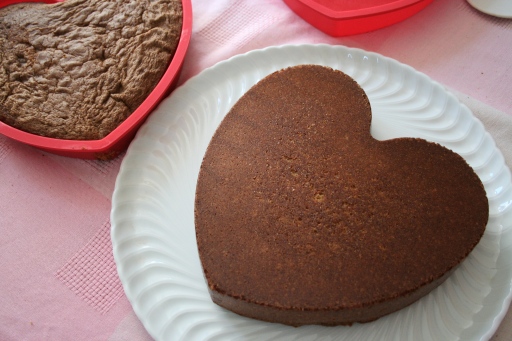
column 77, row 69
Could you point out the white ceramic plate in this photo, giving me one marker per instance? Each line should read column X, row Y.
column 497, row 8
column 152, row 217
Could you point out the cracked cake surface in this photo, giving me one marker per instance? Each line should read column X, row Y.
column 77, row 69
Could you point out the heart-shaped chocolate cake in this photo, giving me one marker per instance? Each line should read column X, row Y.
column 77, row 69
column 302, row 217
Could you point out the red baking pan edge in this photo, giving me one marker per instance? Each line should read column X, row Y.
column 119, row 139
column 338, row 22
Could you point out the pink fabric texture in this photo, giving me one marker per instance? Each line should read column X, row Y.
column 58, row 279
column 91, row 273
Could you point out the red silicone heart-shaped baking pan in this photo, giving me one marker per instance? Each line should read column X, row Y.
column 119, row 139
column 348, row 17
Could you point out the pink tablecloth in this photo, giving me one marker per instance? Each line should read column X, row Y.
column 58, row 279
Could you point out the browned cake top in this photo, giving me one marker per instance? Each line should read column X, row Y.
column 77, row 69
column 298, row 207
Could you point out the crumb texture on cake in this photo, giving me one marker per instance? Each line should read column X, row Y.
column 79, row 68
column 302, row 217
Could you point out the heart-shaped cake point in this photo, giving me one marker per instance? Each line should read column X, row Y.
column 302, row 217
